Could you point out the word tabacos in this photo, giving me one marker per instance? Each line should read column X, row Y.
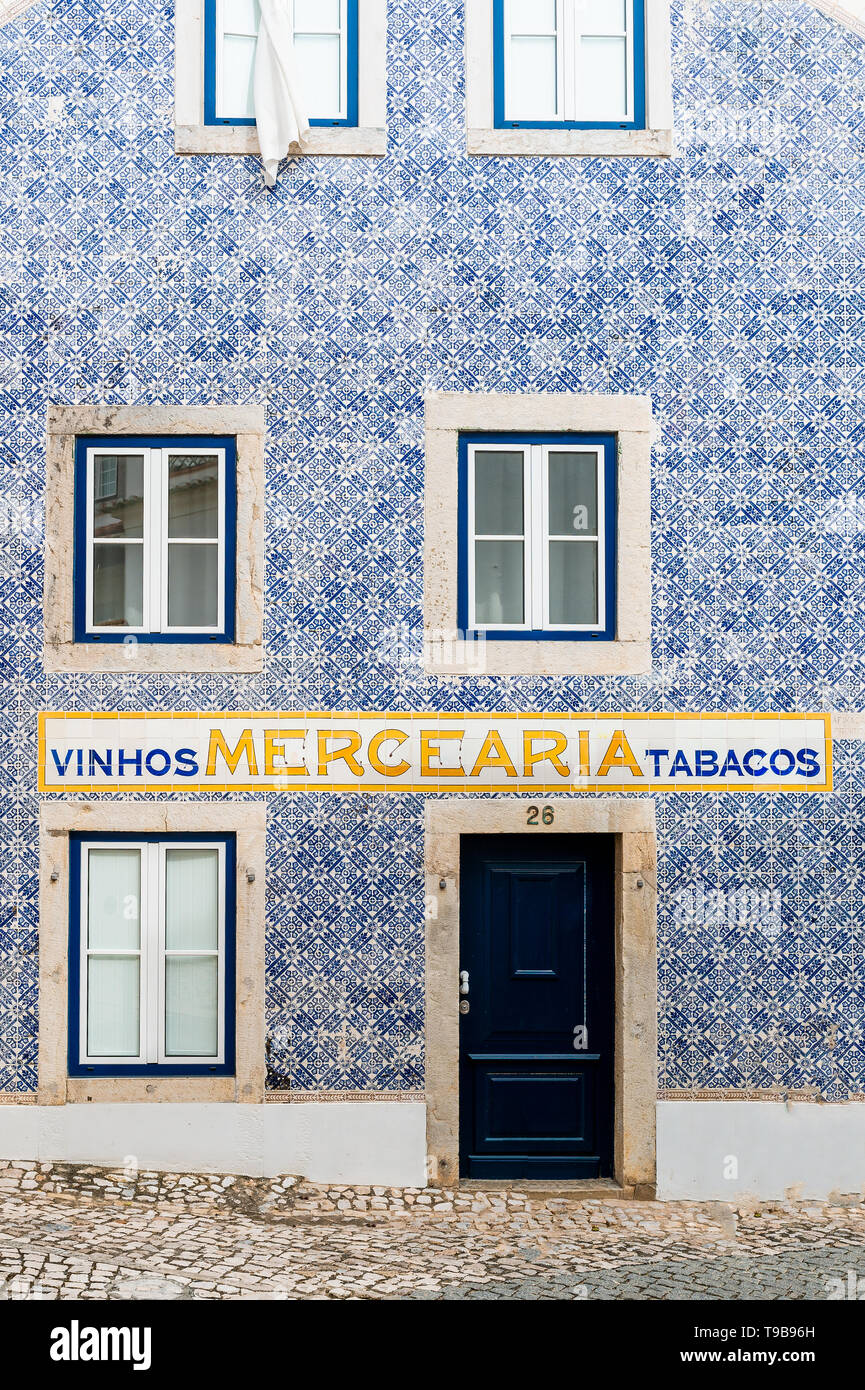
column 434, row 752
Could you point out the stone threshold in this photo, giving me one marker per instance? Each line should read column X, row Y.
column 586, row 1189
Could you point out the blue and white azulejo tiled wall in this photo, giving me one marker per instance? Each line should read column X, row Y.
column 727, row 283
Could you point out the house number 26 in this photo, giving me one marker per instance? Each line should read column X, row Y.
column 547, row 815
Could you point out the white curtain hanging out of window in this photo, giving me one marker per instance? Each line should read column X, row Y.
column 279, row 109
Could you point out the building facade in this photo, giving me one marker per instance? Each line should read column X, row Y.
column 432, row 605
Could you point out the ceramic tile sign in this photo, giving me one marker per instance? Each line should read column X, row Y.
column 434, row 752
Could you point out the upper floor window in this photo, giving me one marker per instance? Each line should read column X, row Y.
column 570, row 64
column 326, row 54
column 151, row 960
column 538, row 536
column 154, row 554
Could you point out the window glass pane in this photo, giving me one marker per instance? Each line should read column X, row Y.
column 499, row 582
column 112, row 1006
column 241, row 16
column 193, row 495
column 318, row 58
column 118, row 585
column 602, row 93
column 532, row 79
column 533, row 16
column 601, row 16
column 118, row 495
column 573, row 582
column 191, row 1006
column 237, row 72
column 113, row 899
column 316, row 16
column 498, row 494
column 191, row 899
column 193, row 579
column 573, row 494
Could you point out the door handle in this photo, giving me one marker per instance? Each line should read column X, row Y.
column 464, row 982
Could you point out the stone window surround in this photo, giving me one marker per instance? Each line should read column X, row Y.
column 632, row 822
column 483, row 138
column 248, row 821
column 66, row 423
column 192, row 136
column 449, row 414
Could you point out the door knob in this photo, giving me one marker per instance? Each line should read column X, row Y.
column 464, row 982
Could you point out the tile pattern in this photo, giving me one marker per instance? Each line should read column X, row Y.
column 726, row 283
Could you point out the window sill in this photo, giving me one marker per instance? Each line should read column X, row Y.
column 152, row 658
column 599, row 144
column 243, row 140
column 137, row 1089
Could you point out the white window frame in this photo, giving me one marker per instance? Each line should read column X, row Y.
column 536, row 536
column 152, row 954
column 569, row 35
column 155, row 540
column 342, row 31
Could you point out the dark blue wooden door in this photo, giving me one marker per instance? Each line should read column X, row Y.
column 536, row 941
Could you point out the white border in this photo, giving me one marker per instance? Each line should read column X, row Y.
column 569, row 44
column 152, row 955
column 536, row 536
column 155, row 541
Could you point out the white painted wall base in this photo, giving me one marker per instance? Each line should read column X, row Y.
column 793, row 1151
column 369, row 1142
column 799, row 1151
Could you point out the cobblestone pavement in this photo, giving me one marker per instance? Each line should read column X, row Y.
column 367, row 1243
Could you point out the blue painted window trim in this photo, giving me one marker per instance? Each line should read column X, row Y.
column 76, row 1066
column 210, row 116
column 605, row 441
column 79, row 560
column 639, row 121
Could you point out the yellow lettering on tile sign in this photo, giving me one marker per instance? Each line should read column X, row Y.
column 244, row 748
column 429, row 748
column 531, row 756
column 274, row 747
column 345, row 754
column 388, row 736
column 619, row 754
column 493, row 754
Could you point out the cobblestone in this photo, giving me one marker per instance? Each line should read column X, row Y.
column 293, row 1239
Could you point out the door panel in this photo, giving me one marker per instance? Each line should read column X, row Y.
column 537, row 941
